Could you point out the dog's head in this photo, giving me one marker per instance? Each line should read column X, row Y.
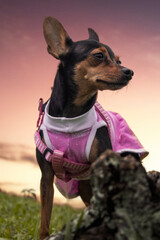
column 92, row 65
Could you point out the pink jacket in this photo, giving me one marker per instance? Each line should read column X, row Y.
column 74, row 137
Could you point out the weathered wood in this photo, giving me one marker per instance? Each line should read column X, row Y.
column 125, row 203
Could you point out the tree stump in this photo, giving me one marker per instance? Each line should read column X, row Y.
column 125, row 203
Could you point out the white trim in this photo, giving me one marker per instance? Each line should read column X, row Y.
column 141, row 151
column 92, row 136
column 46, row 137
column 69, row 125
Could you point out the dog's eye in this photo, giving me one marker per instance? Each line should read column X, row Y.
column 99, row 56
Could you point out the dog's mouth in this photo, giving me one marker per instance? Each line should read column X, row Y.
column 113, row 85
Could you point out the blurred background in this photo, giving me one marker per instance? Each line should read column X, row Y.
column 130, row 28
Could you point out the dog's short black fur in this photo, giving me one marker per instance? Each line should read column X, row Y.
column 85, row 67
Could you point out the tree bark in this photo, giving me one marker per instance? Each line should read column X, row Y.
column 125, row 203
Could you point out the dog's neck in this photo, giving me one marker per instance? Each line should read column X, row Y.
column 63, row 95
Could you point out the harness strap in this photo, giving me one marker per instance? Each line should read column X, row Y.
column 60, row 164
column 41, row 113
column 103, row 115
column 41, row 146
column 57, row 164
column 63, row 167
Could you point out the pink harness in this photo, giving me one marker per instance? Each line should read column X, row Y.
column 69, row 140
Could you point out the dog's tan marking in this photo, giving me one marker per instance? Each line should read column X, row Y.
column 94, row 151
column 117, row 59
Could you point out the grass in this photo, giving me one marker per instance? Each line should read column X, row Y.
column 20, row 217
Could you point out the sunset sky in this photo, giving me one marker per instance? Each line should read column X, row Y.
column 130, row 28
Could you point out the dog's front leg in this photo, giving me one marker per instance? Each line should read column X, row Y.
column 47, row 192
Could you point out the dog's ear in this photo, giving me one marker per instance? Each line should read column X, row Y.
column 56, row 37
column 93, row 35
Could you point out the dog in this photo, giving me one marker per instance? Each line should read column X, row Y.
column 86, row 67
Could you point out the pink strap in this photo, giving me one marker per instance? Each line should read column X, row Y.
column 103, row 115
column 60, row 163
column 41, row 113
column 39, row 144
column 42, row 147
column 75, row 167
column 57, row 164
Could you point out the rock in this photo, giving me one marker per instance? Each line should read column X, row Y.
column 125, row 203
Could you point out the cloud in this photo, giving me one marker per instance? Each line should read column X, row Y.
column 28, row 158
column 17, row 152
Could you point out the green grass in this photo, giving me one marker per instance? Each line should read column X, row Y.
column 20, row 217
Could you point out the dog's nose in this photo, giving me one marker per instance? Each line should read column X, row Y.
column 127, row 72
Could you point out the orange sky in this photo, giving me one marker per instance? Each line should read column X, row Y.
column 27, row 71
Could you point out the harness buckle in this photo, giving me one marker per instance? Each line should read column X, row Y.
column 47, row 154
column 41, row 113
column 40, row 104
column 57, row 164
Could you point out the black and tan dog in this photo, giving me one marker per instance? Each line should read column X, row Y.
column 85, row 67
